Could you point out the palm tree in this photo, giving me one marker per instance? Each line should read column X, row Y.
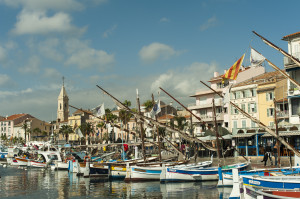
column 111, row 118
column 66, row 130
column 36, row 131
column 125, row 117
column 25, row 127
column 87, row 129
column 148, row 105
column 101, row 125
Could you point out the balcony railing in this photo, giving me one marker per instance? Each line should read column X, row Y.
column 283, row 113
column 208, row 118
column 288, row 61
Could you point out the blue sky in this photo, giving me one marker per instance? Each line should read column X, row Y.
column 124, row 45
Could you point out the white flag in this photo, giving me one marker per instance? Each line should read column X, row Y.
column 78, row 132
column 99, row 111
column 156, row 109
column 256, row 59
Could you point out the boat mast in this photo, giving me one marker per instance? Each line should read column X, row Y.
column 141, row 125
column 277, row 133
column 157, row 131
column 216, row 130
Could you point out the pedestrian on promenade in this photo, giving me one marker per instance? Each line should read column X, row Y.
column 187, row 151
column 268, row 152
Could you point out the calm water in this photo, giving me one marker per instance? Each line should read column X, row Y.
column 36, row 183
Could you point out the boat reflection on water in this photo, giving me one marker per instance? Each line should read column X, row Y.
column 37, row 183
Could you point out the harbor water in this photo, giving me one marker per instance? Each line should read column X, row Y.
column 37, row 183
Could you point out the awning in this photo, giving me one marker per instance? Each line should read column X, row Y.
column 283, row 134
column 243, row 135
column 293, row 96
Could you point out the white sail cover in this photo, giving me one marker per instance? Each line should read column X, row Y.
column 256, row 59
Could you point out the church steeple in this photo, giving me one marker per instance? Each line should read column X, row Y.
column 63, row 104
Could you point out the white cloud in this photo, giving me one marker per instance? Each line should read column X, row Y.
column 43, row 5
column 51, row 73
column 211, row 22
column 164, row 19
column 156, row 51
column 49, row 48
column 109, row 31
column 6, row 81
column 40, row 23
column 184, row 81
column 85, row 57
column 32, row 67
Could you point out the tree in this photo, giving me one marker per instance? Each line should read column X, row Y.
column 148, row 105
column 125, row 116
column 87, row 129
column 36, row 131
column 26, row 129
column 66, row 130
column 111, row 118
column 101, row 125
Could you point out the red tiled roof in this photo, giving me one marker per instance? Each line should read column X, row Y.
column 290, row 35
column 164, row 117
column 13, row 117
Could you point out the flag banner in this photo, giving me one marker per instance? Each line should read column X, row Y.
column 156, row 109
column 99, row 111
column 256, row 59
column 234, row 69
column 78, row 132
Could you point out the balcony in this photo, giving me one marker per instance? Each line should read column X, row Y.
column 208, row 118
column 207, row 104
column 287, row 61
column 283, row 114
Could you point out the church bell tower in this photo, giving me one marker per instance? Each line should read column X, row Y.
column 63, row 104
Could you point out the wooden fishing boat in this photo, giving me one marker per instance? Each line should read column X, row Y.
column 284, row 186
column 173, row 174
column 23, row 161
column 226, row 178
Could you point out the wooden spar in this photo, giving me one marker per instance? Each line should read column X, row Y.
column 115, row 125
column 276, row 130
column 216, row 130
column 141, row 126
column 168, row 128
column 268, row 130
column 158, row 136
column 174, row 147
column 281, row 71
column 279, row 49
column 199, row 117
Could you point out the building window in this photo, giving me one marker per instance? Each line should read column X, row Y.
column 225, row 109
column 243, row 94
column 270, row 112
column 243, row 123
column 252, row 107
column 243, row 107
column 226, row 124
column 253, row 92
column 234, row 124
column 269, row 96
column 203, row 112
column 253, row 124
column 271, row 124
column 295, row 106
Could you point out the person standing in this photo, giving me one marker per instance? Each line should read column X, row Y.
column 268, row 152
column 187, row 151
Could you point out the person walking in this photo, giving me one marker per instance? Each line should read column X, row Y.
column 268, row 152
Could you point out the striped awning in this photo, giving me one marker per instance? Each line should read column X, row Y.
column 243, row 135
column 283, row 134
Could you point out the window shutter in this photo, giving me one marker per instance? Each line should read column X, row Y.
column 248, row 107
column 268, row 112
column 267, row 99
column 254, row 92
column 254, row 107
